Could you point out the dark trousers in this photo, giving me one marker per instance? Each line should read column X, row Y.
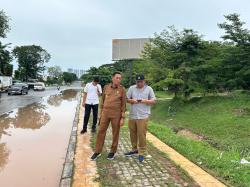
column 87, row 114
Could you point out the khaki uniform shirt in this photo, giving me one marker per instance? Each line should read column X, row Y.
column 114, row 101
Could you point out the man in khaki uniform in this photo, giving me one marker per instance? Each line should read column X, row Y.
column 141, row 97
column 113, row 108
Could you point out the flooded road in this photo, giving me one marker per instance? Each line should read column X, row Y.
column 8, row 103
column 34, row 140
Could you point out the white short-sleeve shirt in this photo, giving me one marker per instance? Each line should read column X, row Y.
column 92, row 93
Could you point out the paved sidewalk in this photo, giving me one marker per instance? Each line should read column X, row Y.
column 85, row 170
column 155, row 171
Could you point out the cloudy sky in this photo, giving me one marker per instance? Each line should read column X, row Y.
column 78, row 33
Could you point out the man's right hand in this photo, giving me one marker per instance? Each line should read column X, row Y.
column 133, row 101
column 83, row 104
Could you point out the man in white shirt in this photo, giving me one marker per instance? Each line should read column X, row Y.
column 92, row 91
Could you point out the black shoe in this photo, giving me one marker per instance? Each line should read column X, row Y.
column 111, row 156
column 83, row 131
column 95, row 156
column 93, row 130
column 141, row 158
column 131, row 153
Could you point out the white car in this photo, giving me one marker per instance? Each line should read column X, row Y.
column 39, row 86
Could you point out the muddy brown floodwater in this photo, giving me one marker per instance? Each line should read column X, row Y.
column 34, row 140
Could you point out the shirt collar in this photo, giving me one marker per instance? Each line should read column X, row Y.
column 111, row 85
column 142, row 87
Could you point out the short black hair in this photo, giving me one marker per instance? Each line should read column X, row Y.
column 116, row 72
column 96, row 79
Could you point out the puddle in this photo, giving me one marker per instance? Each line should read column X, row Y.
column 240, row 112
column 188, row 134
column 34, row 140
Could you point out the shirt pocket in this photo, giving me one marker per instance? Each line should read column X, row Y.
column 108, row 93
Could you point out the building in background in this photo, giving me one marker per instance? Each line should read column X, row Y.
column 78, row 72
column 70, row 70
column 82, row 72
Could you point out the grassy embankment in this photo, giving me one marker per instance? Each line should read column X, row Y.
column 222, row 125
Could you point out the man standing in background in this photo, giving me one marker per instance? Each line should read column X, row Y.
column 92, row 91
column 141, row 97
column 113, row 108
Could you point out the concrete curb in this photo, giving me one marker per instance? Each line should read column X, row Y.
column 203, row 178
column 85, row 170
column 67, row 173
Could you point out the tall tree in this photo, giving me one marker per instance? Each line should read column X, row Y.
column 5, row 59
column 234, row 30
column 237, row 63
column 69, row 77
column 173, row 54
column 55, row 75
column 4, row 24
column 31, row 60
column 54, row 71
column 5, row 56
column 103, row 72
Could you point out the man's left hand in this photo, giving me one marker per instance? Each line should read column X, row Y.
column 122, row 122
column 144, row 101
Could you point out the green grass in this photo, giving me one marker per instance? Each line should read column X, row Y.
column 223, row 121
column 166, row 94
column 163, row 94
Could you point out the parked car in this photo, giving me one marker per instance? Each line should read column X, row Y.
column 39, row 86
column 18, row 88
column 31, row 83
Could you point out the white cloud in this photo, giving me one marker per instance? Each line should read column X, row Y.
column 78, row 33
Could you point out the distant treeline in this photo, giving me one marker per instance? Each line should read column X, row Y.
column 183, row 62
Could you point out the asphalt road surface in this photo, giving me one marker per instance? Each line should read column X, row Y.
column 10, row 102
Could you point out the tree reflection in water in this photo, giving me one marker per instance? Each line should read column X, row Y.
column 56, row 100
column 33, row 116
column 30, row 117
column 4, row 155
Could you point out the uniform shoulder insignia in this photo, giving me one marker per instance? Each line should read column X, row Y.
column 106, row 85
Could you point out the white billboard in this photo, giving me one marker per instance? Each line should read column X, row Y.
column 128, row 49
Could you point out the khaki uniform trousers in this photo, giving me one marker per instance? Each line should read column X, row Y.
column 138, row 131
column 104, row 123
